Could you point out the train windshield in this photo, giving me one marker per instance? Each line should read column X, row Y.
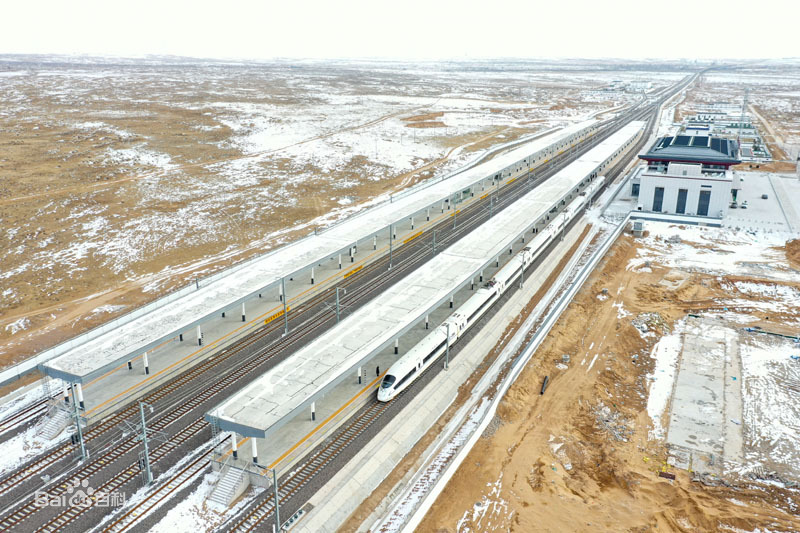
column 388, row 381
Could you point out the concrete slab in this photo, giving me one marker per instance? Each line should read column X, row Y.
column 777, row 212
column 703, row 405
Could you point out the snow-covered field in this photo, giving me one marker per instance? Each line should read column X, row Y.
column 124, row 179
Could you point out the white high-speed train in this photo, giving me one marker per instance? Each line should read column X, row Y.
column 409, row 367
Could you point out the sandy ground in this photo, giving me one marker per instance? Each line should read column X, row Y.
column 123, row 180
column 581, row 457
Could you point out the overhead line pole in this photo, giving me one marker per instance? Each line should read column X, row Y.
column 285, row 308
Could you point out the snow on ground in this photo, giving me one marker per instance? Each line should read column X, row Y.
column 16, row 400
column 22, row 447
column 665, row 353
column 715, row 250
column 193, row 514
column 434, row 471
column 489, row 514
column 771, row 379
column 18, row 325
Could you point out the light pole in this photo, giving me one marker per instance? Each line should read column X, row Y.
column 337, row 303
column 447, row 347
column 455, row 211
column 434, row 236
column 285, row 308
column 277, row 503
column 148, row 472
column 78, row 424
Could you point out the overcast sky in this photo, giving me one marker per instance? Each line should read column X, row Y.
column 404, row 28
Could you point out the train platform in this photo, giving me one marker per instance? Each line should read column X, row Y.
column 226, row 291
column 286, row 447
column 111, row 375
column 292, row 387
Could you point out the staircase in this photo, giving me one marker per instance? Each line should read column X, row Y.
column 231, row 484
column 57, row 419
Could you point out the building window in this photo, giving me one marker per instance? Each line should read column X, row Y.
column 635, row 189
column 702, row 204
column 658, row 199
column 681, row 207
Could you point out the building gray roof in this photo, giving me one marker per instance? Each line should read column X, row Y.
column 696, row 148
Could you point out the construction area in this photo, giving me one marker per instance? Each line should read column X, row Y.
column 672, row 399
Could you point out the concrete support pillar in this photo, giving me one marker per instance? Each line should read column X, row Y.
column 510, row 250
column 313, row 411
column 130, row 365
column 340, row 261
column 497, row 262
column 394, row 233
column 180, row 337
column 451, row 301
column 442, row 206
column 481, row 278
column 428, row 214
column 352, row 256
column 244, row 312
column 66, row 394
column 312, row 275
column 234, row 446
column 374, row 242
column 259, row 295
column 397, row 345
column 359, row 375
column 426, row 321
column 254, row 445
column 472, row 284
column 412, row 222
column 199, row 336
column 79, row 390
column 146, row 363
column 280, row 292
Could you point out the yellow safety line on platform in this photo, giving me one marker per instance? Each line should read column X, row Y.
column 322, row 424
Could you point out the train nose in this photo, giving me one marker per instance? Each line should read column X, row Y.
column 383, row 395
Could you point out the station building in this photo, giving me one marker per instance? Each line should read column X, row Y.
column 687, row 175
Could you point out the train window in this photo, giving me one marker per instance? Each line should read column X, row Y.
column 405, row 378
column 388, row 381
column 433, row 352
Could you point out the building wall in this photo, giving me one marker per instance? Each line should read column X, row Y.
column 720, row 193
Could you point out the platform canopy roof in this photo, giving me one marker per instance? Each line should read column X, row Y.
column 289, row 387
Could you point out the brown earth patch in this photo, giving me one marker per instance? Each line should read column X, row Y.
column 427, row 124
column 793, row 253
column 424, row 117
column 578, row 458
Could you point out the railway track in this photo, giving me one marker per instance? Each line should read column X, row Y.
column 22, row 417
column 255, row 516
column 22, row 512
column 407, row 260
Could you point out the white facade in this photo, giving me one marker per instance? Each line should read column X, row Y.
column 684, row 189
